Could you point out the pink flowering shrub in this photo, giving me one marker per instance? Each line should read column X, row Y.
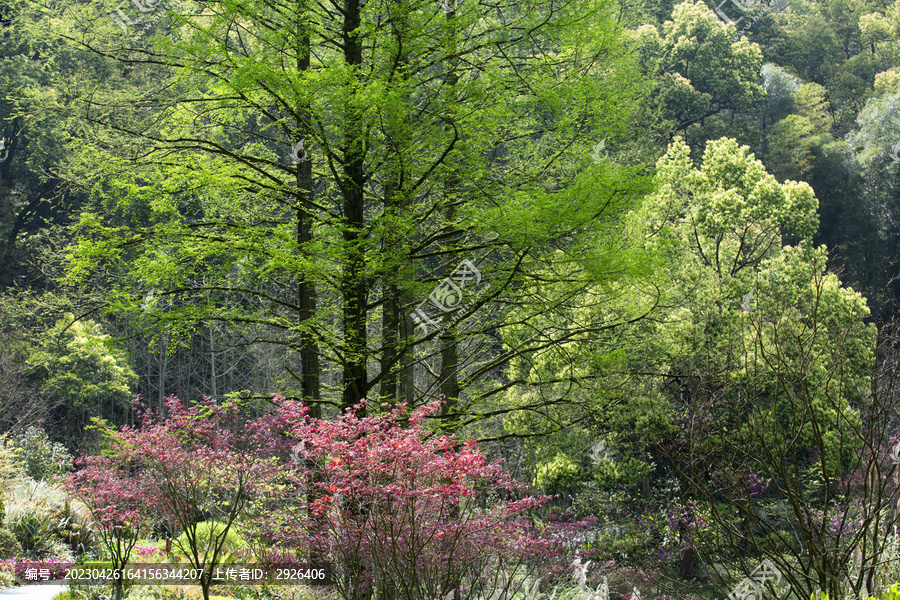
column 833, row 527
column 405, row 513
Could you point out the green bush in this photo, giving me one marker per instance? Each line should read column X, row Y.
column 44, row 523
column 74, row 529
column 9, row 545
column 233, row 541
column 7, row 579
column 34, row 534
column 892, row 593
column 561, row 474
column 43, row 458
column 40, row 539
column 11, row 468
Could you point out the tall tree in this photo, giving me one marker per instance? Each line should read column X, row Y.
column 445, row 154
column 702, row 75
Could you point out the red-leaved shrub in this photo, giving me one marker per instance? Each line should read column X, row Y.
column 410, row 514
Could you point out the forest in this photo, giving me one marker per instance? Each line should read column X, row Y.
column 452, row 299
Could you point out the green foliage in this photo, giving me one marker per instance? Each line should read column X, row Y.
column 10, row 470
column 9, row 545
column 34, row 533
column 7, row 578
column 624, row 470
column 208, row 533
column 199, row 237
column 35, row 129
column 892, row 593
column 700, row 71
column 746, row 295
column 797, row 143
column 500, row 164
column 42, row 457
column 31, row 496
column 72, row 526
column 43, row 522
column 98, row 592
column 557, row 475
column 79, row 365
column 780, row 87
column 728, row 214
column 888, row 82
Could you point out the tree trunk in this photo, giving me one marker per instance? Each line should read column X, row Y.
column 306, row 291
column 163, row 358
column 449, row 374
column 394, row 332
column 407, row 381
column 212, row 360
column 353, row 281
column 390, row 337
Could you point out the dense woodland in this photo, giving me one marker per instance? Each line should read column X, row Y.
column 644, row 252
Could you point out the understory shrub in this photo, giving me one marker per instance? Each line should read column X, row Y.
column 7, row 573
column 10, row 471
column 206, row 461
column 144, row 553
column 43, row 458
column 394, row 508
column 72, row 526
column 207, row 533
column 34, row 534
column 43, row 522
column 406, row 513
column 9, row 545
column 30, row 496
column 557, row 475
